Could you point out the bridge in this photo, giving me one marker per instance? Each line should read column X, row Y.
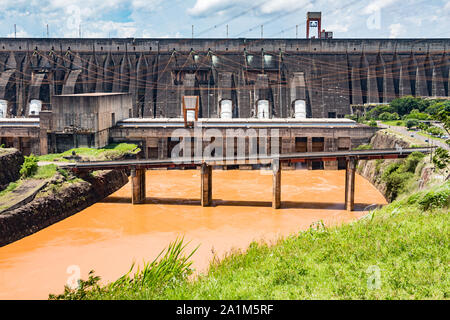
column 138, row 168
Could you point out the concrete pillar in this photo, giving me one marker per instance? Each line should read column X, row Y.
column 276, row 197
column 350, row 184
column 309, row 149
column 206, row 185
column 138, row 185
column 43, row 142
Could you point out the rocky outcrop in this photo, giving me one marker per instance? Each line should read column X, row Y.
column 372, row 170
column 52, row 206
column 11, row 161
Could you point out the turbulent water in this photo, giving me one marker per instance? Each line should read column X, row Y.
column 108, row 236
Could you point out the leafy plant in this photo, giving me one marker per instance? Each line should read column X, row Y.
column 29, row 166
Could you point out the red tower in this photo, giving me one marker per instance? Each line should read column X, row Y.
column 313, row 20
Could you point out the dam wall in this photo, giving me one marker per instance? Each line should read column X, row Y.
column 327, row 75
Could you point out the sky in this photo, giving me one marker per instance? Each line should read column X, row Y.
column 210, row 18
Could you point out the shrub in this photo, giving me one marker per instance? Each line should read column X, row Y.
column 435, row 199
column 29, row 166
column 373, row 123
column 412, row 161
column 441, row 158
column 387, row 116
column 363, row 147
column 412, row 123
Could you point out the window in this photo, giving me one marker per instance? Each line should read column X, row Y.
column 331, row 114
column 226, row 108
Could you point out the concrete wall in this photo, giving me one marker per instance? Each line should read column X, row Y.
column 158, row 72
column 89, row 113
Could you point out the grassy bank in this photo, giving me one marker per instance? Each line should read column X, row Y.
column 398, row 252
column 110, row 152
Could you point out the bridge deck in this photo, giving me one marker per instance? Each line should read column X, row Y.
column 260, row 159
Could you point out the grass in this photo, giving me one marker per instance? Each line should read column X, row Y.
column 45, row 172
column 110, row 152
column 402, row 243
column 422, row 133
column 11, row 187
column 398, row 123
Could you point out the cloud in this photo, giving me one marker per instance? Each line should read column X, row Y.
column 396, row 30
column 204, row 7
column 18, row 34
column 283, row 5
column 377, row 5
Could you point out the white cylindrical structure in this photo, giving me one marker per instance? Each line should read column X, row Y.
column 3, row 108
column 190, row 115
column 263, row 109
column 35, row 107
column 299, row 109
column 226, row 109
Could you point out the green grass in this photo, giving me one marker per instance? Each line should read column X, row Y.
column 45, row 172
column 398, row 123
column 112, row 151
column 11, row 187
column 407, row 244
column 422, row 133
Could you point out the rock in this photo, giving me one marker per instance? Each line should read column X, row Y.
column 11, row 161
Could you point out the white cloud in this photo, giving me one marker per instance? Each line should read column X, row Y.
column 396, row 30
column 283, row 5
column 18, row 34
column 203, row 7
column 377, row 5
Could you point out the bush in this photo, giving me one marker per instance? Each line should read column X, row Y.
column 435, row 199
column 363, row 147
column 29, row 166
column 412, row 161
column 416, row 114
column 373, row 123
column 412, row 123
column 387, row 116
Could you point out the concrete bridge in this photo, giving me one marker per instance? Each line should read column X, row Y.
column 138, row 168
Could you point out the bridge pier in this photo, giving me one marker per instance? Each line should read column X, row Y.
column 276, row 195
column 350, row 184
column 206, row 185
column 138, row 186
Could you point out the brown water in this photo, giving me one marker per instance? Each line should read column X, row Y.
column 110, row 235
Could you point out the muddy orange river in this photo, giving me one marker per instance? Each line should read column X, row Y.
column 108, row 236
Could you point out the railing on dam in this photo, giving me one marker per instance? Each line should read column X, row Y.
column 138, row 168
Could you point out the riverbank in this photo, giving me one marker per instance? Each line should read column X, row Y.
column 397, row 252
column 49, row 194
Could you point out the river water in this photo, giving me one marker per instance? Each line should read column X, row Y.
column 108, row 236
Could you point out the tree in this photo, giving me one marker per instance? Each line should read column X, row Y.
column 444, row 117
column 408, row 103
column 412, row 123
column 441, row 159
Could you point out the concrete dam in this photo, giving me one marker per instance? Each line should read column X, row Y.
column 56, row 94
column 229, row 75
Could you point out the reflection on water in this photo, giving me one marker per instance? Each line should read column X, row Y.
column 109, row 235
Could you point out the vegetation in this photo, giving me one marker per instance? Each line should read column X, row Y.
column 398, row 175
column 110, row 152
column 407, row 245
column 397, row 252
column 441, row 159
column 29, row 166
column 363, row 147
column 11, row 187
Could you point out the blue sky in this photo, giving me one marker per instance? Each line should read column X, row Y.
column 174, row 18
